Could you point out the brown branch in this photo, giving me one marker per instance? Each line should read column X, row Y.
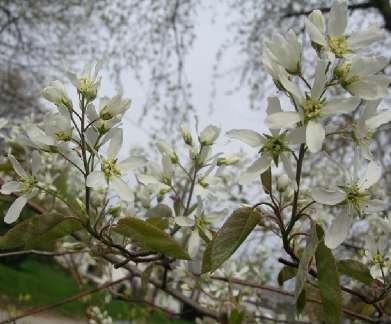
column 288, row 293
column 38, row 252
column 40, row 309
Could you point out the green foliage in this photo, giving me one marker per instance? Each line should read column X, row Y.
column 355, row 270
column 39, row 232
column 228, row 239
column 328, row 281
column 159, row 216
column 151, row 237
column 285, row 274
column 305, row 261
column 266, row 179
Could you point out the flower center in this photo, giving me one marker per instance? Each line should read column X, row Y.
column 87, row 88
column 105, row 113
column 275, row 145
column 26, row 184
column 361, row 138
column 110, row 168
column 338, row 45
column 354, row 197
column 378, row 258
column 312, row 109
column 63, row 136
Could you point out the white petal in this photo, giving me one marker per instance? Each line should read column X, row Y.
column 38, row 136
column 288, row 169
column 246, row 178
column 315, row 34
column 344, row 105
column 362, row 39
column 374, row 206
column 115, row 144
column 380, row 119
column 339, row 230
column 194, row 243
column 147, row 179
column 247, row 136
column 273, row 105
column 209, row 134
column 260, row 165
column 122, row 189
column 371, row 176
column 371, row 88
column 320, row 79
column 337, row 18
column 327, row 197
column 315, row 135
column 287, row 119
column 296, row 136
column 15, row 209
column 17, row 167
column 132, row 163
column 10, row 187
column 184, row 221
column 36, row 163
column 96, row 179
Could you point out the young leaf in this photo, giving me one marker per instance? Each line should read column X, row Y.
column 355, row 270
column 150, row 237
column 285, row 274
column 160, row 211
column 234, row 231
column 38, row 231
column 266, row 179
column 304, row 263
column 328, row 282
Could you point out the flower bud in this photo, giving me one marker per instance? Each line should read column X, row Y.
column 227, row 160
column 186, row 135
column 282, row 183
column 209, row 135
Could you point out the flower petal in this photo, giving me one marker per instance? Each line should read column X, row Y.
column 17, row 167
column 343, row 105
column 286, row 119
column 363, row 38
column 184, row 221
column 96, row 179
column 296, row 136
column 339, row 230
column 380, row 119
column 194, row 243
column 122, row 189
column 15, row 209
column 260, row 165
column 273, row 105
column 10, row 187
column 315, row 34
column 115, row 144
column 327, row 197
column 371, row 176
column 374, row 206
column 315, row 134
column 132, row 163
column 247, row 136
column 338, row 18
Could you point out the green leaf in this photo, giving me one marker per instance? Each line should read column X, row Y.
column 328, row 282
column 150, row 237
column 266, row 179
column 308, row 253
column 227, row 240
column 236, row 317
column 38, row 231
column 160, row 210
column 285, row 274
column 301, row 301
column 355, row 270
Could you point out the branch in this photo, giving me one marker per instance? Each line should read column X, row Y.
column 38, row 252
column 40, row 309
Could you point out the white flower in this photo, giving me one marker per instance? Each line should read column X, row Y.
column 312, row 108
column 101, row 125
column 58, row 126
column 209, row 135
column 285, row 51
column 113, row 107
column 335, row 40
column 25, row 186
column 376, row 247
column 111, row 170
column 367, row 124
column 354, row 197
column 360, row 76
column 271, row 147
column 88, row 82
column 158, row 178
column 165, row 148
column 206, row 184
column 55, row 93
column 200, row 223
